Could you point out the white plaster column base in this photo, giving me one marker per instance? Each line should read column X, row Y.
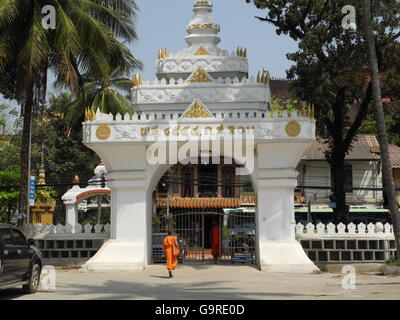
column 117, row 255
column 285, row 257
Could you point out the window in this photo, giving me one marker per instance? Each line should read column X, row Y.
column 19, row 238
column 228, row 175
column 208, row 180
column 246, row 184
column 187, row 187
column 163, row 185
column 6, row 237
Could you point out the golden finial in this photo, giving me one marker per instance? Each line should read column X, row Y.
column 266, row 78
column 166, row 53
column 304, row 109
column 90, row 115
column 258, row 77
column 263, row 77
column 245, row 53
column 237, row 51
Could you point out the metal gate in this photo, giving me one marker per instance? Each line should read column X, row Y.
column 207, row 236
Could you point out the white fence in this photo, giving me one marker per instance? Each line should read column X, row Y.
column 341, row 230
column 59, row 231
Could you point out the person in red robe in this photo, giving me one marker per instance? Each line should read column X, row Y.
column 215, row 245
column 171, row 247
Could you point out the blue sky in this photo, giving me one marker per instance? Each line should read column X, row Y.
column 162, row 24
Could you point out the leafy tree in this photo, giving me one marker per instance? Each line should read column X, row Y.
column 87, row 40
column 8, row 196
column 64, row 154
column 103, row 94
column 331, row 70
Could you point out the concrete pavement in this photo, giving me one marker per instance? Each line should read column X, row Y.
column 210, row 282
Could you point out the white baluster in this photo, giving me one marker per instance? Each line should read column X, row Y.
column 320, row 228
column 310, row 228
column 361, row 227
column 299, row 228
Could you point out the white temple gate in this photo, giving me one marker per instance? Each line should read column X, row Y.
column 203, row 100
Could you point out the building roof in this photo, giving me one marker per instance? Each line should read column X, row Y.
column 366, row 147
column 395, row 156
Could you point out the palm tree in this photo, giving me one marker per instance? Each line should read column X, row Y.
column 387, row 170
column 88, row 37
column 104, row 94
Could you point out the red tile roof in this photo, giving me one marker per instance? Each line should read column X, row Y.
column 199, row 203
column 395, row 156
column 366, row 147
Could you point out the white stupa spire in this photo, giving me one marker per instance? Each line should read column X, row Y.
column 201, row 29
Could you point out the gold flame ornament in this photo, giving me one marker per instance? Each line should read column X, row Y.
column 263, row 77
column 137, row 80
column 90, row 115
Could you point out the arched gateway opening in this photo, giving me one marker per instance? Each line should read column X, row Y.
column 204, row 95
column 212, row 211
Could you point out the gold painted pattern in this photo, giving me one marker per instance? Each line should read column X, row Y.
column 200, row 76
column 201, row 52
column 103, row 132
column 293, row 129
column 197, row 111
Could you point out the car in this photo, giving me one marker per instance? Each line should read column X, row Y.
column 20, row 261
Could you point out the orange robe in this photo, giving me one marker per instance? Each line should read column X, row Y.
column 171, row 252
column 215, row 241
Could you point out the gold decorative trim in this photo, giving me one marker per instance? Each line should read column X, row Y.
column 205, row 26
column 202, row 52
column 197, row 111
column 90, row 115
column 200, row 76
column 293, row 129
column 103, row 132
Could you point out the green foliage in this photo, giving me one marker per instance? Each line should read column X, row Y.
column 64, row 154
column 393, row 262
column 103, row 94
column 86, row 40
column 280, row 105
column 8, row 196
column 392, row 122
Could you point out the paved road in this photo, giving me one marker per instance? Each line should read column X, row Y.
column 210, row 282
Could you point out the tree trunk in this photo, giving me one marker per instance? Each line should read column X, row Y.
column 339, row 194
column 24, row 157
column 387, row 171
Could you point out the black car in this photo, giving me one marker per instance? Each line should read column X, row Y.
column 20, row 260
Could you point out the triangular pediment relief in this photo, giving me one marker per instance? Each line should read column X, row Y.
column 200, row 75
column 201, row 52
column 197, row 110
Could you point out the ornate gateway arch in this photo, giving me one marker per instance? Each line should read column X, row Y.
column 202, row 101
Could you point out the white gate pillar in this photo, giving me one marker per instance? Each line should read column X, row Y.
column 127, row 248
column 71, row 214
column 278, row 249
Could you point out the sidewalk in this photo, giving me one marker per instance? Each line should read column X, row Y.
column 211, row 282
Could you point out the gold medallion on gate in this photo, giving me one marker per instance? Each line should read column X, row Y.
column 103, row 132
column 293, row 129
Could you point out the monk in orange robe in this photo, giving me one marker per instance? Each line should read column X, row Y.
column 215, row 246
column 171, row 247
